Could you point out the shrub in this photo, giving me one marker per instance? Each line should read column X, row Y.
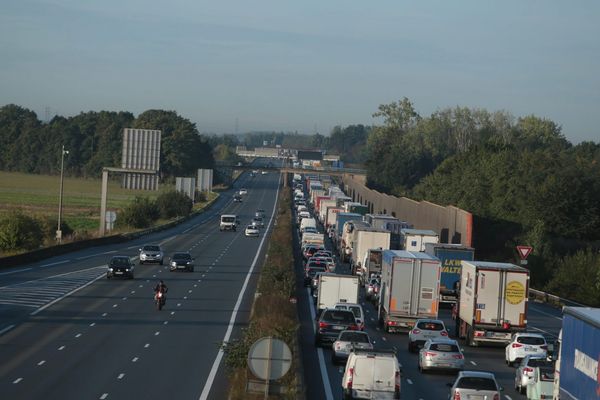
column 139, row 214
column 20, row 232
column 49, row 224
column 173, row 204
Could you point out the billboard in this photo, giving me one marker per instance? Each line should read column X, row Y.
column 141, row 151
column 205, row 180
column 186, row 185
column 310, row 155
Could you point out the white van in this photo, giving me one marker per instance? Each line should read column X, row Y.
column 371, row 374
column 307, row 222
column 228, row 222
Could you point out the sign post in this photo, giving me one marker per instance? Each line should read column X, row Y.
column 524, row 251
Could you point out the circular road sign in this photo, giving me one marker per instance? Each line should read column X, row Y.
column 111, row 217
column 269, row 358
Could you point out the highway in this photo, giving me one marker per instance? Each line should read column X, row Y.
column 67, row 332
column 323, row 379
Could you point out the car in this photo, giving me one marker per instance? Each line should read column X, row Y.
column 181, row 261
column 542, row 386
column 151, row 253
column 260, row 213
column 310, row 229
column 443, row 354
column 237, row 198
column 424, row 330
column 356, row 309
column 371, row 374
column 309, row 274
column 348, row 341
column 251, row 230
column 258, row 221
column 263, row 172
column 323, row 253
column 524, row 374
column 475, row 384
column 120, row 266
column 523, row 344
column 310, row 249
column 301, row 208
column 243, row 191
column 331, row 322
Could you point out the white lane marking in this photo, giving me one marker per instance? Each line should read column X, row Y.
column 188, row 229
column 105, row 395
column 508, row 397
column 141, row 286
column 16, row 271
column 17, row 380
column 120, row 376
column 165, row 323
column 92, row 324
column 322, row 367
column 156, row 333
column 195, row 285
column 189, row 291
column 172, row 312
column 383, row 338
column 124, row 298
column 54, row 263
column 409, row 381
column 185, row 297
column 217, row 362
column 115, row 305
column 8, row 328
column 61, row 348
column 534, row 309
column 147, row 345
column 167, row 240
column 68, row 294
column 473, row 362
column 133, row 247
column 42, row 362
column 178, row 304
column 134, row 359
column 543, row 331
column 78, row 335
column 105, row 314
column 133, row 292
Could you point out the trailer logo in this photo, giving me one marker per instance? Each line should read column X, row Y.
column 515, row 292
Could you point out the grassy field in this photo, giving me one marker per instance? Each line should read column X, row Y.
column 39, row 195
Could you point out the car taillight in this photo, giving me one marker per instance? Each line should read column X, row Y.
column 506, row 325
column 430, row 354
column 479, row 333
column 350, row 377
column 416, row 331
column 458, row 356
column 496, row 396
column 444, row 333
column 527, row 369
column 456, row 396
column 516, row 345
column 391, row 323
column 353, row 327
column 323, row 325
column 397, row 382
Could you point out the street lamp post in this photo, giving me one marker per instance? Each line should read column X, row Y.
column 60, row 198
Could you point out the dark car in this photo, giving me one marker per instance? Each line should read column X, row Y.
column 310, row 250
column 120, row 266
column 237, row 198
column 331, row 323
column 310, row 272
column 182, row 262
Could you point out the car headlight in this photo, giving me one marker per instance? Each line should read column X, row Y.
column 173, row 264
column 110, row 269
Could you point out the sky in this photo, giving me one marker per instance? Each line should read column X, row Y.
column 279, row 65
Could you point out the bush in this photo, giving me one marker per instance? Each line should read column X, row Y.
column 173, row 204
column 49, row 224
column 20, row 232
column 141, row 213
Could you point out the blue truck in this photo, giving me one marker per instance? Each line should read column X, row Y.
column 450, row 256
column 577, row 375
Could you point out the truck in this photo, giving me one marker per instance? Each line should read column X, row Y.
column 307, row 222
column 409, row 289
column 415, row 239
column 577, row 373
column 371, row 265
column 340, row 220
column 348, row 233
column 312, row 238
column 318, row 201
column 450, row 255
column 336, row 288
column 323, row 208
column 355, row 207
column 364, row 239
column 389, row 223
column 492, row 302
column 332, row 212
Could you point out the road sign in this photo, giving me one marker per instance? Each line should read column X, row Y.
column 269, row 358
column 111, row 217
column 524, row 251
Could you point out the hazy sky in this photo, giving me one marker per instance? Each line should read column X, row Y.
column 283, row 65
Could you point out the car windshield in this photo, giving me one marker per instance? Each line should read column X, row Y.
column 430, row 326
column 356, row 311
column 228, row 219
column 479, row 383
column 534, row 340
column 119, row 262
column 182, row 256
column 539, row 362
column 313, row 271
column 151, row 248
column 251, row 227
column 547, row 374
column 354, row 337
column 338, row 317
column 444, row 347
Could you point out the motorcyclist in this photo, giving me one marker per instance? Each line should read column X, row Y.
column 162, row 288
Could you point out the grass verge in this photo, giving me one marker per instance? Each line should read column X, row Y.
column 272, row 312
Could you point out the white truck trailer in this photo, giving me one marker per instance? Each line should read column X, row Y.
column 415, row 239
column 492, row 303
column 335, row 288
column 410, row 286
column 366, row 238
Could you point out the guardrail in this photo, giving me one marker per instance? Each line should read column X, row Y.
column 554, row 300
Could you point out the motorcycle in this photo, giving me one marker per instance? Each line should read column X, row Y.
column 161, row 299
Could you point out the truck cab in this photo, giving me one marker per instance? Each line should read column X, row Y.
column 228, row 222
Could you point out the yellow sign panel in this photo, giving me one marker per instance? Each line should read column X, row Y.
column 515, row 292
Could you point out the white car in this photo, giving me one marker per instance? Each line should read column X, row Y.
column 524, row 344
column 371, row 374
column 346, row 342
column 243, row 191
column 424, row 330
column 251, row 230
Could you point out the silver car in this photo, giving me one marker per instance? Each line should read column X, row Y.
column 441, row 354
column 524, row 374
column 347, row 341
column 151, row 253
column 424, row 330
column 475, row 385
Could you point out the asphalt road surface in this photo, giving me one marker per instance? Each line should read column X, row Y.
column 67, row 332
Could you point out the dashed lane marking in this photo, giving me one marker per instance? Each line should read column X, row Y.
column 78, row 335
column 8, row 328
column 409, row 381
column 61, row 348
column 134, row 359
column 17, row 380
column 120, row 376
column 42, row 362
column 147, row 345
column 473, row 362
column 104, row 396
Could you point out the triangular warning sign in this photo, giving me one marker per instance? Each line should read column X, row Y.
column 524, row 251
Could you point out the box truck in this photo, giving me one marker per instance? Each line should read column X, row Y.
column 334, row 288
column 350, row 229
column 371, row 265
column 492, row 302
column 364, row 239
column 340, row 220
column 450, row 256
column 577, row 374
column 409, row 289
column 415, row 239
column 323, row 208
